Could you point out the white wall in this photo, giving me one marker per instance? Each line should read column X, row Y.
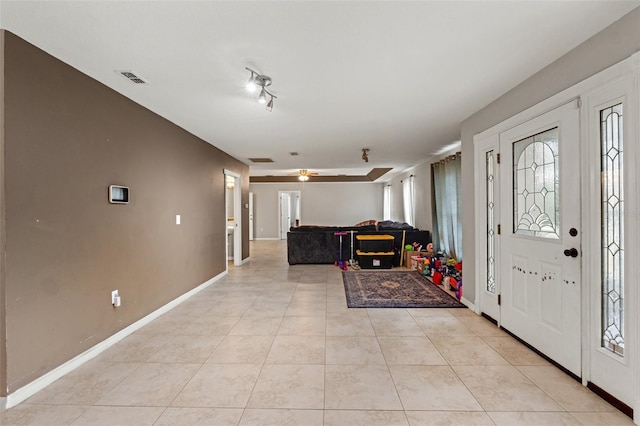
column 338, row 204
column 422, row 185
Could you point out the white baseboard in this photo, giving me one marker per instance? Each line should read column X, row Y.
column 245, row 260
column 468, row 304
column 41, row 382
column 268, row 239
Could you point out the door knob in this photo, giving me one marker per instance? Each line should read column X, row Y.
column 571, row 252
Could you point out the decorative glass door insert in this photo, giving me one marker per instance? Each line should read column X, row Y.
column 612, row 221
column 536, row 207
column 491, row 269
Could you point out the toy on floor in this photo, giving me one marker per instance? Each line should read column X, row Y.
column 342, row 264
column 459, row 290
column 430, row 249
column 352, row 262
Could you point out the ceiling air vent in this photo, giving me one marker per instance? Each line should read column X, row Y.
column 261, row 160
column 133, row 77
column 294, row 154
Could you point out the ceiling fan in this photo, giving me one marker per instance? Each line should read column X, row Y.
column 304, row 174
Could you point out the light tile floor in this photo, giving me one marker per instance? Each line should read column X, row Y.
column 273, row 344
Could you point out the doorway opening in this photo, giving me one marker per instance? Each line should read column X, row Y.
column 289, row 202
column 233, row 218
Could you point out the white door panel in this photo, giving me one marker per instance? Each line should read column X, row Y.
column 540, row 203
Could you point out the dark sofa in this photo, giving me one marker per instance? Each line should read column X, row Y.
column 317, row 244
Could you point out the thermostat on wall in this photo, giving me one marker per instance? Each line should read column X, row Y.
column 118, row 194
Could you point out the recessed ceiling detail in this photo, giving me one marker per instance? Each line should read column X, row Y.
column 133, row 77
column 261, row 160
column 369, row 177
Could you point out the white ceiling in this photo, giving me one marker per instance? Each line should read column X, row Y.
column 395, row 77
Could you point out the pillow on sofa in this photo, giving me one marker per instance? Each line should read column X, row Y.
column 391, row 225
column 367, row 222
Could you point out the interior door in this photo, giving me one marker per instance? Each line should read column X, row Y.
column 285, row 214
column 540, row 234
column 251, row 216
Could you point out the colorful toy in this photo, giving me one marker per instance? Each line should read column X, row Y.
column 340, row 263
column 408, row 247
column 352, row 262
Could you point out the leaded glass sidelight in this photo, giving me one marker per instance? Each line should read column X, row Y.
column 491, row 271
column 536, row 205
column 612, row 217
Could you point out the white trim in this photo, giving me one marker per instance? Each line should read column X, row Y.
column 480, row 149
column 45, row 380
column 635, row 59
column 292, row 193
column 246, row 260
column 237, row 215
column 620, row 90
column 635, row 244
column 468, row 304
column 231, row 173
column 268, row 239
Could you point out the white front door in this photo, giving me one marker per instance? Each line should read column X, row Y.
column 540, row 250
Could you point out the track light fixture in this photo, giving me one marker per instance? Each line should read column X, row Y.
column 365, row 154
column 257, row 80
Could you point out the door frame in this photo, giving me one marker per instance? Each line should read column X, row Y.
column 282, row 195
column 626, row 90
column 629, row 66
column 299, row 202
column 251, row 231
column 237, row 218
column 485, row 303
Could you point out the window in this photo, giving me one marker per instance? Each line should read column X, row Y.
column 612, row 221
column 491, row 243
column 535, row 185
column 408, row 200
column 386, row 200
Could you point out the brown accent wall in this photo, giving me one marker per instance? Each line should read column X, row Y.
column 3, row 329
column 67, row 138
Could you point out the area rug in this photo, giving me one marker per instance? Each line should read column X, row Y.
column 388, row 289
